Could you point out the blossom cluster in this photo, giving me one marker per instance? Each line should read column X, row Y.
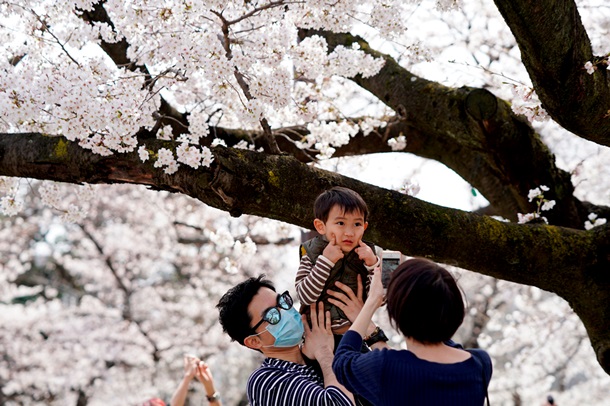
column 591, row 67
column 349, row 62
column 542, row 204
column 526, row 103
column 65, row 77
column 194, row 156
column 76, row 329
column 166, row 160
column 446, row 5
column 594, row 221
column 326, row 136
column 398, row 143
column 409, row 188
column 74, row 208
column 10, row 205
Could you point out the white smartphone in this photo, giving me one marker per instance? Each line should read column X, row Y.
column 389, row 261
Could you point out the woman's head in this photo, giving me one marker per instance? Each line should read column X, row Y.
column 424, row 301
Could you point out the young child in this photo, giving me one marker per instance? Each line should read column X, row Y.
column 337, row 254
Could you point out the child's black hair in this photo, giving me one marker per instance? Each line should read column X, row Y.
column 348, row 200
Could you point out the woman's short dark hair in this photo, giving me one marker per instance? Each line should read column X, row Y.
column 348, row 200
column 233, row 308
column 424, row 301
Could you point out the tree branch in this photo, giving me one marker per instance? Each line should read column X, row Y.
column 474, row 133
column 168, row 115
column 565, row 261
column 554, row 49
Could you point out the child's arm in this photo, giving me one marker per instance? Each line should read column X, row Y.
column 311, row 278
column 368, row 256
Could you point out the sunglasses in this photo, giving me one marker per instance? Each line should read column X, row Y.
column 272, row 315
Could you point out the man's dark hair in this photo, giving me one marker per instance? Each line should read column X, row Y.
column 233, row 308
column 424, row 301
column 347, row 199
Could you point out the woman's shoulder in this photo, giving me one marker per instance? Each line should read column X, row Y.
column 482, row 358
column 480, row 355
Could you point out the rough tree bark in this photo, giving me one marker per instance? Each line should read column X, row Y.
column 572, row 263
column 554, row 49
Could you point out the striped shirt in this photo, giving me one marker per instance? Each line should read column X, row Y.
column 279, row 382
column 311, row 278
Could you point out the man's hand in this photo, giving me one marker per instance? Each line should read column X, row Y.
column 319, row 340
column 346, row 300
column 319, row 344
column 333, row 251
column 366, row 254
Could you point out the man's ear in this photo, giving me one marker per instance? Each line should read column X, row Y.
column 366, row 224
column 253, row 342
column 320, row 226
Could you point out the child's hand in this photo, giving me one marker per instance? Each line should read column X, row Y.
column 333, row 251
column 366, row 254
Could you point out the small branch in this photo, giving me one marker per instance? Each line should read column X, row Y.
column 127, row 292
column 107, row 260
column 258, row 10
column 269, row 140
column 46, row 28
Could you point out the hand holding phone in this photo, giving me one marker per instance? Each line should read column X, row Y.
column 389, row 262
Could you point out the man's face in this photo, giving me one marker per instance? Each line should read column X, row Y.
column 346, row 228
column 264, row 299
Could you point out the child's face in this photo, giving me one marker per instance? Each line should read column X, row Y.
column 346, row 228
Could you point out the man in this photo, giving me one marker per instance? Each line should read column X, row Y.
column 254, row 315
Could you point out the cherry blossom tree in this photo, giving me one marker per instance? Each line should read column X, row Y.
column 104, row 309
column 237, row 104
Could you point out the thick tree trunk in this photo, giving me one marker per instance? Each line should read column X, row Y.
column 574, row 264
column 554, row 49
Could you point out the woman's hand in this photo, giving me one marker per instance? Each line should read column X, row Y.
column 376, row 291
column 346, row 300
column 363, row 324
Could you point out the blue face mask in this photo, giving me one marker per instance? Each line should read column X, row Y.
column 289, row 331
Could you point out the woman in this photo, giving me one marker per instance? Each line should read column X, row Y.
column 426, row 305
